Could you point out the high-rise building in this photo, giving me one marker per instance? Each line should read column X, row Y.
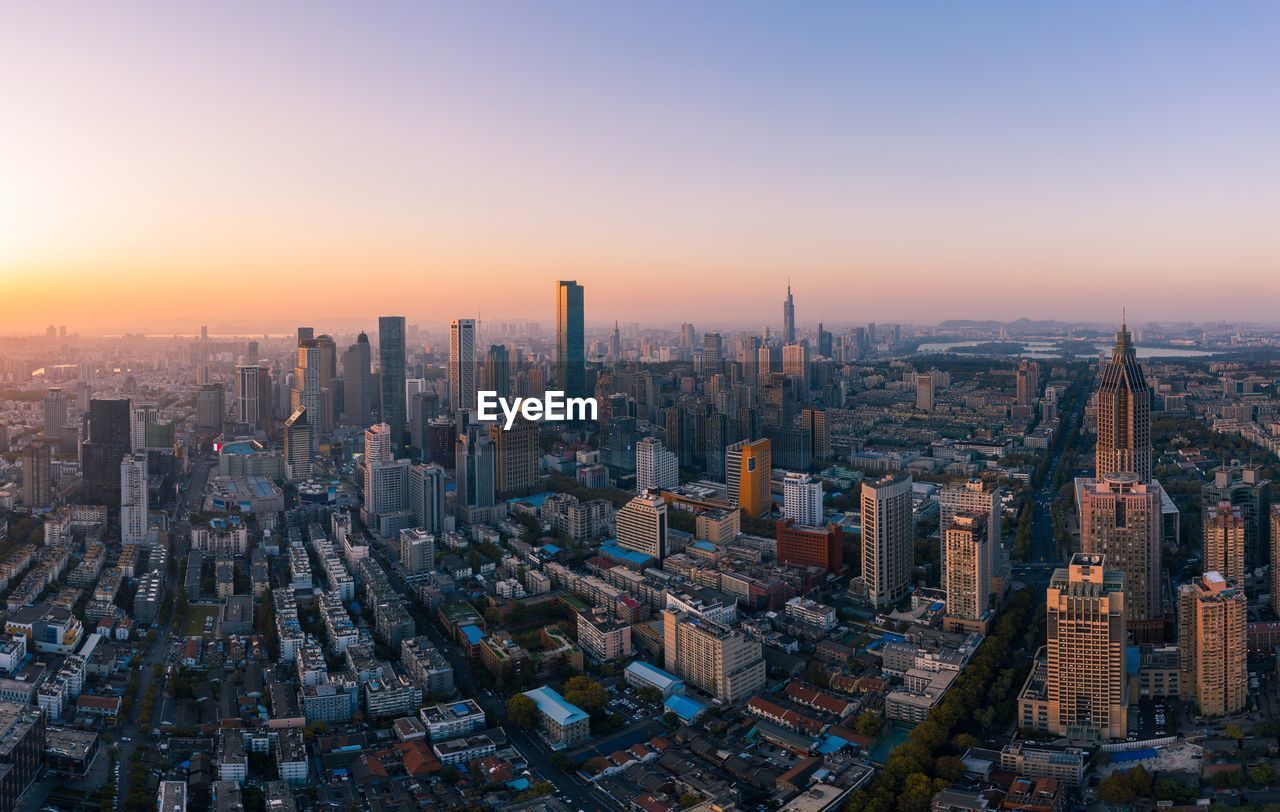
column 386, row 479
column 298, row 446
column 1244, row 487
column 1087, row 681
column 417, row 550
column 802, row 499
column 888, row 538
column 1120, row 519
column 1124, row 414
column 814, row 421
column 1028, row 383
column 975, row 496
column 134, row 503
column 724, row 663
column 22, row 749
column 462, row 364
column 248, row 394
column 571, row 370
column 924, row 392
column 1224, row 541
column 516, row 453
column 807, row 546
column 795, row 365
column 100, row 455
column 1212, row 649
column 37, row 473
column 426, row 497
column 642, row 525
column 211, row 407
column 712, row 354
column 391, row 375
column 55, row 413
column 474, row 468
column 656, row 467
column 357, row 383
column 966, row 575
column 497, row 370
column 789, row 318
column 748, row 467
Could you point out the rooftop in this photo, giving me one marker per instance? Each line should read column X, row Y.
column 555, row 707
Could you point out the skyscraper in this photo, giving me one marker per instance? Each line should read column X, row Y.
column 516, row 453
column 357, row 383
column 642, row 525
column 1244, row 487
column 462, row 364
column 712, row 354
column 309, row 390
column 1124, row 414
column 100, row 455
column 475, row 475
column 748, row 467
column 1028, row 382
column 795, row 365
column 297, row 445
column 497, row 370
column 142, row 415
column 1120, row 519
column 248, row 394
column 134, row 499
column 1212, row 650
column 656, row 467
column 975, row 496
column 966, row 574
column 815, row 422
column 924, row 392
column 789, row 319
column 888, row 538
column 211, row 407
column 802, row 499
column 37, row 472
column 1224, row 541
column 55, row 413
column 426, row 497
column 571, row 371
column 386, row 479
column 1087, row 682
column 391, row 357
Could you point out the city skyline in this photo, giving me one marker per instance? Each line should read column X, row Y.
column 179, row 163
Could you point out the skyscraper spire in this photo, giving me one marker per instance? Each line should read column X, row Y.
column 1124, row 413
column 789, row 317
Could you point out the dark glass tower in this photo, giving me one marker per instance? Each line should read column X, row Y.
column 571, row 352
column 392, row 356
column 101, row 454
column 789, row 319
column 497, row 368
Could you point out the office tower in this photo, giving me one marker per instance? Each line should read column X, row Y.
column 331, row 399
column 824, row 342
column 424, row 407
column 615, row 344
column 802, row 499
column 37, row 475
column 100, row 455
column 142, row 416
column 248, row 394
column 475, row 475
column 1224, row 541
column 789, row 318
column 22, row 748
column 306, row 334
column 308, row 391
column 712, row 354
column 298, row 446
column 748, row 467
column 679, row 425
column 924, row 392
column 426, row 497
column 462, row 364
column 1212, row 649
column 1028, row 382
column 386, row 479
column 417, row 550
column 134, row 502
column 1086, row 681
column 966, row 575
column 1120, row 519
column 391, row 358
column 1124, row 414
column 764, row 366
column 497, row 370
column 642, row 525
column 571, row 371
column 810, row 546
column 1244, row 487
column 211, row 407
column 266, row 401
column 724, row 663
column 888, row 538
column 357, row 382
column 974, row 496
column 516, row 454
column 656, row 467
column 815, row 422
column 55, row 413
column 795, row 365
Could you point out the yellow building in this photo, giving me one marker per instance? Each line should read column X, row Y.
column 748, row 466
column 1211, row 645
column 1224, row 541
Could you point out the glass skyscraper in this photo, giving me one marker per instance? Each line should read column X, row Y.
column 571, row 370
column 391, row 354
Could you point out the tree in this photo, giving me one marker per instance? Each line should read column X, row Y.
column 688, row 799
column 964, row 741
column 522, row 710
column 1126, row 787
column 1233, row 731
column 949, row 768
column 1262, row 775
column 586, row 693
column 869, row 723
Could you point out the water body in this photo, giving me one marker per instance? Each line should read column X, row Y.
column 1048, row 349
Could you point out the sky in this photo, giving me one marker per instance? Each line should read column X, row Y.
column 256, row 166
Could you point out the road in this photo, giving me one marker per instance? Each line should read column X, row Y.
column 581, row 794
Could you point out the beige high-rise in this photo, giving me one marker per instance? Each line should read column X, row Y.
column 724, row 663
column 516, row 452
column 967, row 571
column 1086, row 681
column 1124, row 414
column 888, row 538
column 642, row 524
column 1224, row 541
column 1120, row 518
column 1211, row 645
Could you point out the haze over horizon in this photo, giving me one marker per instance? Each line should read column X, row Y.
column 168, row 165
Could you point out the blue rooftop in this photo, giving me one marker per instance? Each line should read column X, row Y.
column 460, row 708
column 705, row 545
column 936, row 606
column 684, row 707
column 1132, row 659
column 1125, row 756
column 536, row 499
column 473, row 633
column 652, row 674
column 611, row 550
column 550, row 549
column 519, row 784
column 554, row 706
column 830, row 744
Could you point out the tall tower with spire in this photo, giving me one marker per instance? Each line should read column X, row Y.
column 789, row 318
column 1124, row 414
